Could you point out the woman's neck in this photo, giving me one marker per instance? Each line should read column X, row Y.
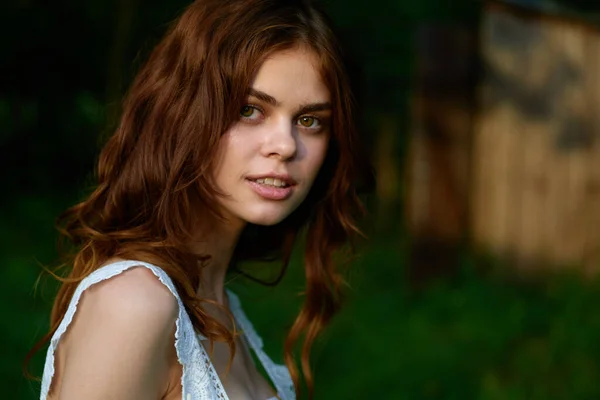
column 218, row 241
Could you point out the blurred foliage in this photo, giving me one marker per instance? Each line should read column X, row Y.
column 471, row 336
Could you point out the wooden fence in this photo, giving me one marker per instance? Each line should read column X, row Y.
column 511, row 161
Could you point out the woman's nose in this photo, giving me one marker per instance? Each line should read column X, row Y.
column 280, row 139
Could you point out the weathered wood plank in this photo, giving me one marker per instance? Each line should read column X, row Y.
column 534, row 142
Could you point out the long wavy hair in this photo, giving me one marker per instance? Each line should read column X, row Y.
column 155, row 169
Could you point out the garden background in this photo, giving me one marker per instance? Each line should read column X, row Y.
column 460, row 292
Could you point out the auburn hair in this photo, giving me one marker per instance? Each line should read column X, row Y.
column 155, row 170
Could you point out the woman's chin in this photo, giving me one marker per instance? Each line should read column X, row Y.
column 266, row 221
column 267, row 218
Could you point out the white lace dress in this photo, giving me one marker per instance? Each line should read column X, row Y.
column 199, row 380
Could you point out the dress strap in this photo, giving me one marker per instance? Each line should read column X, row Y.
column 279, row 374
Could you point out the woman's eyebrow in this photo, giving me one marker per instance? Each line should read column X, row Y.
column 304, row 108
column 314, row 107
column 267, row 98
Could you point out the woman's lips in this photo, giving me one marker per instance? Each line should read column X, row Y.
column 270, row 192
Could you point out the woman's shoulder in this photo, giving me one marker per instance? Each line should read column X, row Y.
column 123, row 296
column 132, row 304
column 124, row 322
column 132, row 292
column 129, row 288
column 148, row 274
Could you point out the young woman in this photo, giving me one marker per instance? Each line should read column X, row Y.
column 237, row 135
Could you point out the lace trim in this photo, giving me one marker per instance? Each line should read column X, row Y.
column 279, row 374
column 199, row 380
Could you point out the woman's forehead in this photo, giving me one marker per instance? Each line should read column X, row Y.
column 292, row 75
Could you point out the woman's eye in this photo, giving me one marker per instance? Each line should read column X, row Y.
column 248, row 111
column 309, row 122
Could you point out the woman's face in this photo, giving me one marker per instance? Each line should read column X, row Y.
column 270, row 158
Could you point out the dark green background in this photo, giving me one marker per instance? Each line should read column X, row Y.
column 470, row 335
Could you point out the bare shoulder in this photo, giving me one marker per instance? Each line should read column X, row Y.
column 135, row 293
column 120, row 343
